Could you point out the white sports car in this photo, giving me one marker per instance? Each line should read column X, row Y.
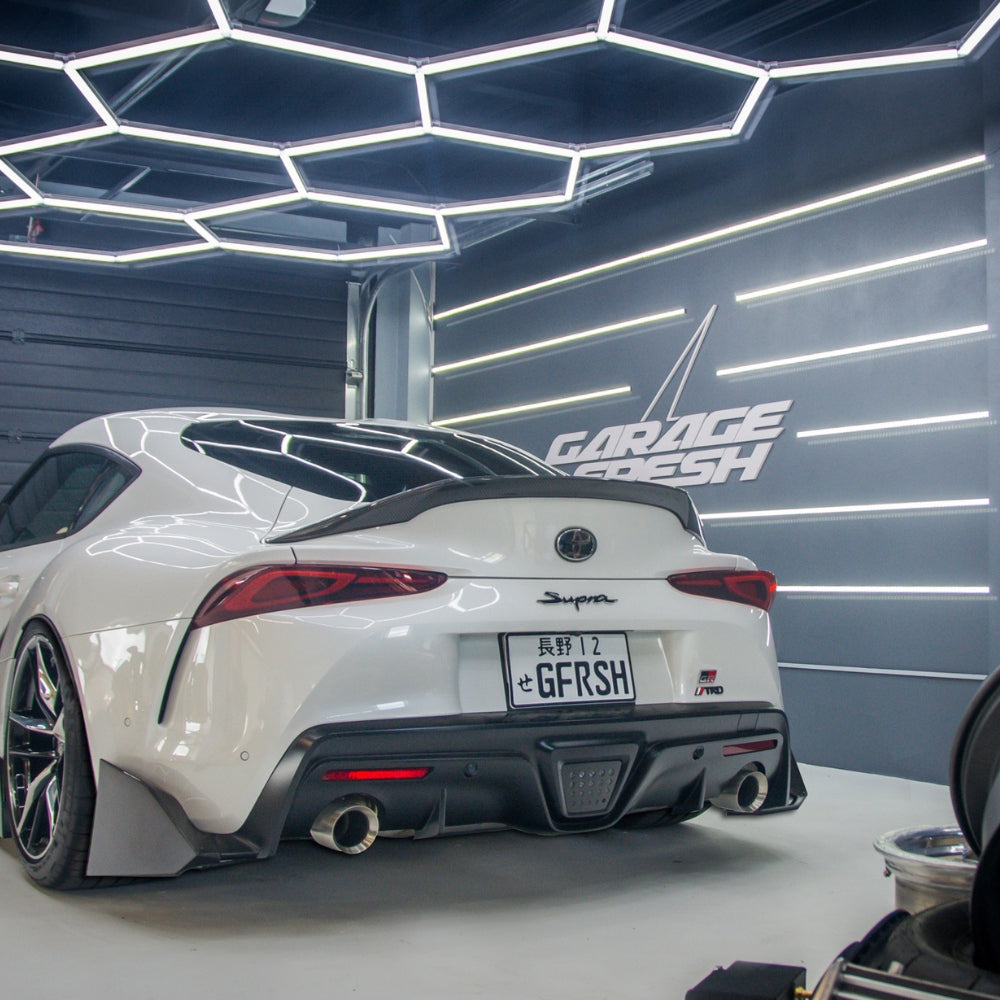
column 222, row 629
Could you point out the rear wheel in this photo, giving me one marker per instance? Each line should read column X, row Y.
column 49, row 782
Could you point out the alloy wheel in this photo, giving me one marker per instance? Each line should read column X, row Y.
column 35, row 745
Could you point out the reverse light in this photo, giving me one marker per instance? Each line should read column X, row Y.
column 378, row 774
column 282, row 588
column 755, row 588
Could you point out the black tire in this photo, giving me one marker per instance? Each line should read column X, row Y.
column 48, row 779
column 975, row 761
column 656, row 817
column 985, row 909
column 935, row 946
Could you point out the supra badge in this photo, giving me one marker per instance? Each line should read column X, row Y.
column 576, row 544
column 551, row 597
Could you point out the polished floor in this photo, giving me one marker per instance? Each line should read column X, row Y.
column 619, row 914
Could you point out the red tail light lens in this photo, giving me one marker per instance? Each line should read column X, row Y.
column 282, row 588
column 379, row 774
column 757, row 746
column 754, row 588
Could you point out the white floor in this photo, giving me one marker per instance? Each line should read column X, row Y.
column 620, row 914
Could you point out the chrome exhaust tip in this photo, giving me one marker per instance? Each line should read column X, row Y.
column 745, row 793
column 349, row 825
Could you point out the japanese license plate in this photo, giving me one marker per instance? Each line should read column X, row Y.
column 567, row 668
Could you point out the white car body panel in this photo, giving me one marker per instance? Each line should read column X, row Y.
column 206, row 717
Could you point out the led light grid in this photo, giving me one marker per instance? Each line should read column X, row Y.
column 416, row 92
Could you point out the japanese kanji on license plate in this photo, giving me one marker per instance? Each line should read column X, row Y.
column 567, row 668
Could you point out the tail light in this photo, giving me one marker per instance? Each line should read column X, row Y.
column 755, row 588
column 756, row 746
column 378, row 774
column 282, row 588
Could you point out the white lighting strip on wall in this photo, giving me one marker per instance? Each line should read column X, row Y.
column 568, row 338
column 886, row 425
column 726, row 232
column 544, row 404
column 856, row 508
column 845, row 352
column 886, row 591
column 864, row 270
column 936, row 675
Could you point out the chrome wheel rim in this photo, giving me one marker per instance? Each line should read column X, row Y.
column 35, row 744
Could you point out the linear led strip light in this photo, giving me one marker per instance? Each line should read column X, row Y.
column 553, row 342
column 544, row 404
column 936, row 675
column 726, row 232
column 835, row 590
column 841, row 509
column 898, row 59
column 844, row 352
column 861, row 271
column 886, row 425
column 859, row 64
column 97, row 257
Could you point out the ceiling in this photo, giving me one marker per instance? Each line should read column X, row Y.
column 354, row 134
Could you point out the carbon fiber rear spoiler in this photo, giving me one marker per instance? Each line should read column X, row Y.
column 402, row 507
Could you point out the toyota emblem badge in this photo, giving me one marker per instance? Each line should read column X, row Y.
column 576, row 544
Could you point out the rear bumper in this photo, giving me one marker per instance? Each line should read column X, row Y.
column 524, row 771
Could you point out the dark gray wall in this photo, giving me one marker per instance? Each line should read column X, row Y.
column 871, row 683
column 77, row 343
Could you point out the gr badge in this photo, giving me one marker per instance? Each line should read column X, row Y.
column 707, row 685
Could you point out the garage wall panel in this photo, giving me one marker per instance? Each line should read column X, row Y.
column 79, row 343
column 884, row 262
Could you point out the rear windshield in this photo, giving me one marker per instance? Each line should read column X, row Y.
column 355, row 462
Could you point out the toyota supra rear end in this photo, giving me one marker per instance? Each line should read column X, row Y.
column 236, row 628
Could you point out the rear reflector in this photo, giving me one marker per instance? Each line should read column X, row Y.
column 282, row 588
column 379, row 774
column 734, row 749
column 755, row 587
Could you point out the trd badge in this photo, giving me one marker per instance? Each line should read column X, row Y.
column 576, row 544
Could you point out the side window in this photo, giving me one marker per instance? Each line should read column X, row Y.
column 61, row 493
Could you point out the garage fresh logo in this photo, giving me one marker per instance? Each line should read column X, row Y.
column 694, row 449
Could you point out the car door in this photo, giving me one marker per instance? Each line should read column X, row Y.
column 64, row 490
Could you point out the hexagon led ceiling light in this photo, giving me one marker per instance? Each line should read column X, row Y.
column 178, row 144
